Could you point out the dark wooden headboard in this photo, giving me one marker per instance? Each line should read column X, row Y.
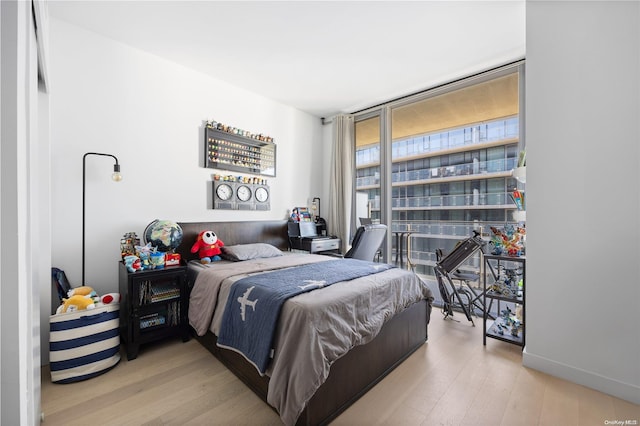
column 273, row 232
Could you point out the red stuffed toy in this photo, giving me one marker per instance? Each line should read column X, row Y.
column 208, row 247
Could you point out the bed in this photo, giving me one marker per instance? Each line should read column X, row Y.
column 312, row 380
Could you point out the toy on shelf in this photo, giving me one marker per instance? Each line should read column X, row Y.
column 300, row 214
column 518, row 198
column 133, row 263
column 144, row 253
column 241, row 179
column 208, row 247
column 507, row 283
column 128, row 244
column 213, row 124
column 171, row 259
column 509, row 322
column 157, row 260
column 509, row 242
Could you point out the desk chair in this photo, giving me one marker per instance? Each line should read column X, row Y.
column 367, row 241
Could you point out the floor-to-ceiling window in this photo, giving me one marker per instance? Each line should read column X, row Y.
column 451, row 150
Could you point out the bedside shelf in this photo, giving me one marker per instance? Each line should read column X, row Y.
column 153, row 306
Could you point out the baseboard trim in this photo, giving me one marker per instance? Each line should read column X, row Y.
column 626, row 391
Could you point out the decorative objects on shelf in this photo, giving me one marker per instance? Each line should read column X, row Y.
column 508, row 242
column 236, row 131
column 518, row 196
column 242, row 179
column 116, row 177
column 231, row 148
column 504, row 283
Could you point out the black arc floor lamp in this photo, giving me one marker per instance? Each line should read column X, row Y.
column 116, row 176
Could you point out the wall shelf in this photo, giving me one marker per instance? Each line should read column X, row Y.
column 237, row 153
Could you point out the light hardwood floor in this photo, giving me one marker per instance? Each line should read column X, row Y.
column 451, row 380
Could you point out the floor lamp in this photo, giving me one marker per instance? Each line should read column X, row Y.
column 116, row 176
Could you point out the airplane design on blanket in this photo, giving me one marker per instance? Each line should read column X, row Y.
column 244, row 301
column 312, row 283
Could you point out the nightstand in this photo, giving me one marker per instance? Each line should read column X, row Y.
column 154, row 306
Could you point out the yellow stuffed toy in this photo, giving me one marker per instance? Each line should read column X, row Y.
column 79, row 298
column 76, row 303
column 84, row 290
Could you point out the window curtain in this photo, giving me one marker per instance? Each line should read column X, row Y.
column 341, row 183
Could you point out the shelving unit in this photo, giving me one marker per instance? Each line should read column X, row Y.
column 153, row 307
column 501, row 278
column 238, row 153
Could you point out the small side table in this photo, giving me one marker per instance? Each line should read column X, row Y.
column 153, row 306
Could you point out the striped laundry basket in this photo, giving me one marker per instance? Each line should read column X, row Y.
column 84, row 344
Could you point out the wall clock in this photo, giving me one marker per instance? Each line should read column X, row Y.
column 244, row 193
column 229, row 195
column 262, row 194
column 224, row 192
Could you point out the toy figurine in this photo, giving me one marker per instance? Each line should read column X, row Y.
column 208, row 247
column 295, row 216
column 510, row 241
column 133, row 263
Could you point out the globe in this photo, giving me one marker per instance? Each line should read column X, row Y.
column 165, row 235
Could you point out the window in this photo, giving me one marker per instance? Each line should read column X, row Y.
column 451, row 152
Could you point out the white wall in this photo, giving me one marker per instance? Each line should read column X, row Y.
column 583, row 269
column 108, row 97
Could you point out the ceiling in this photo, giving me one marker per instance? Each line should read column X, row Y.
column 480, row 102
column 322, row 57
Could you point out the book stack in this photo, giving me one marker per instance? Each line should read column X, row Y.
column 160, row 293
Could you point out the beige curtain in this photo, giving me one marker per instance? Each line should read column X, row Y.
column 341, row 180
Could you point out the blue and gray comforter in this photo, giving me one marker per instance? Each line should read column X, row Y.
column 253, row 307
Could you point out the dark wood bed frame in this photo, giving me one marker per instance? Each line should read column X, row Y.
column 352, row 375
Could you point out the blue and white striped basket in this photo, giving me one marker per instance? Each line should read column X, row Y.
column 84, row 344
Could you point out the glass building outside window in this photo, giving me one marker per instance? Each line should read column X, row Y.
column 449, row 163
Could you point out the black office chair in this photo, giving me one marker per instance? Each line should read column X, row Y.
column 367, row 241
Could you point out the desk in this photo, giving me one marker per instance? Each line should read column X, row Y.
column 315, row 245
